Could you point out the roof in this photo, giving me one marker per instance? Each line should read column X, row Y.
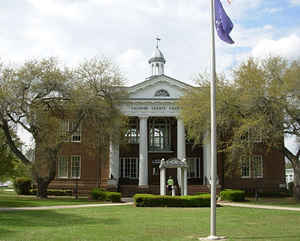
column 173, row 163
column 157, row 56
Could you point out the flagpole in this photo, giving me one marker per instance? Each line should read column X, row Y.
column 213, row 125
column 213, row 132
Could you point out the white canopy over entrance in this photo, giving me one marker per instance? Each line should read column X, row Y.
column 173, row 163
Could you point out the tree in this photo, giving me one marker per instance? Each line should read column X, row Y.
column 10, row 166
column 262, row 97
column 40, row 95
column 102, row 82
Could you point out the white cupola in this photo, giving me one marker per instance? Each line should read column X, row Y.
column 157, row 61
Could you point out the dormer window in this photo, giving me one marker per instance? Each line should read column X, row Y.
column 162, row 93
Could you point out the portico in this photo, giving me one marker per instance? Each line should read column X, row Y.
column 155, row 132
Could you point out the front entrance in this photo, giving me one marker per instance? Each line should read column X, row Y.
column 154, row 172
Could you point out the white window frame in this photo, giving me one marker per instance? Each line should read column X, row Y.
column 123, row 166
column 256, row 135
column 60, row 159
column 64, row 130
column 76, row 156
column 77, row 133
column 245, row 160
column 259, row 160
column 193, row 167
column 252, row 135
column 159, row 135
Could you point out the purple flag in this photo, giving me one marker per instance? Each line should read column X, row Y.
column 223, row 23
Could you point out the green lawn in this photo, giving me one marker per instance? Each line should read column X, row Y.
column 10, row 199
column 127, row 223
column 282, row 201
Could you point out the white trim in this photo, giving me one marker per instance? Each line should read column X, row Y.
column 123, row 167
column 77, row 133
column 260, row 160
column 249, row 166
column 58, row 167
column 72, row 166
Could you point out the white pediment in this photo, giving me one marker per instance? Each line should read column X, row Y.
column 158, row 87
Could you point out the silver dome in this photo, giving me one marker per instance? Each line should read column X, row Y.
column 157, row 56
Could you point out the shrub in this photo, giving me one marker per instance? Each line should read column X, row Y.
column 98, row 194
column 291, row 188
column 149, row 200
column 201, row 193
column 22, row 185
column 54, row 192
column 232, row 195
column 114, row 197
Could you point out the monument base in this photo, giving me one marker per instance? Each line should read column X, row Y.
column 213, row 238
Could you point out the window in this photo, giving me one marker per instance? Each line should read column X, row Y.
column 252, row 167
column 64, row 130
column 162, row 93
column 245, row 167
column 129, row 167
column 132, row 134
column 62, row 167
column 76, row 136
column 257, row 165
column 75, row 166
column 253, row 135
column 155, row 167
column 160, row 134
column 256, row 136
column 68, row 126
column 193, row 167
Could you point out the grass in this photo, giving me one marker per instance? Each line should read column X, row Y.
column 280, row 201
column 124, row 223
column 10, row 199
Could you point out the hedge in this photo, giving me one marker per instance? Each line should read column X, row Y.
column 102, row 195
column 22, row 185
column 232, row 195
column 98, row 194
column 54, row 192
column 149, row 200
column 114, row 197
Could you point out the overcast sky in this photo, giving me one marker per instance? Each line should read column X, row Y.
column 125, row 31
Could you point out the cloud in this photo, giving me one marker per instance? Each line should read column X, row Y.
column 288, row 47
column 273, row 10
column 55, row 8
column 295, row 2
column 133, row 63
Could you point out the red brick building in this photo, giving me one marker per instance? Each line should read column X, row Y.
column 157, row 132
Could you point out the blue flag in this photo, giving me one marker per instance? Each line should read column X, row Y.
column 223, row 23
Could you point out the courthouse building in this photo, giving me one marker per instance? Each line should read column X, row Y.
column 155, row 132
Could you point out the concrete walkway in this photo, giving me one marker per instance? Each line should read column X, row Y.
column 258, row 206
column 128, row 201
column 65, row 206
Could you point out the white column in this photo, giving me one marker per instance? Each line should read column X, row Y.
column 114, row 163
column 185, row 189
column 163, row 181
column 180, row 146
column 182, row 181
column 143, row 153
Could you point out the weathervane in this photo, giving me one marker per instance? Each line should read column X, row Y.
column 157, row 41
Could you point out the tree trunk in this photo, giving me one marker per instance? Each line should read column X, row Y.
column 297, row 182
column 42, row 187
